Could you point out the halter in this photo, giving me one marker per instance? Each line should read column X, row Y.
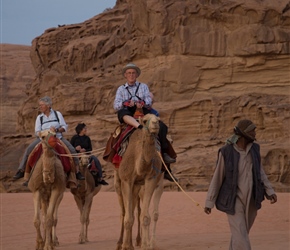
column 46, row 140
column 147, row 124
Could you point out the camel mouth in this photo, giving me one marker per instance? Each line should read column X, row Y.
column 154, row 130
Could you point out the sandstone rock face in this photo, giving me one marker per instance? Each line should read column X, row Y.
column 208, row 63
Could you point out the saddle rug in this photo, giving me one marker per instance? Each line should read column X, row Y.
column 114, row 149
column 59, row 149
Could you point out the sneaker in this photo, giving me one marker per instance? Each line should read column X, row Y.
column 168, row 177
column 103, row 182
column 19, row 174
column 167, row 159
column 80, row 176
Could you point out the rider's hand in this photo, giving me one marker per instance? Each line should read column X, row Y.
column 132, row 103
column 273, row 198
column 207, row 210
column 139, row 105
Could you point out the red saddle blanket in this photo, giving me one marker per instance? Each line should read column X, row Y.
column 36, row 153
column 120, row 135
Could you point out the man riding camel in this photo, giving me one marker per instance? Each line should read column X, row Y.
column 135, row 96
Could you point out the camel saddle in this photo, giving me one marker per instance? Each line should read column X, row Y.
column 117, row 143
column 67, row 162
column 119, row 136
column 60, row 149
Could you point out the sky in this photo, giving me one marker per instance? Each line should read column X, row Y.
column 23, row 20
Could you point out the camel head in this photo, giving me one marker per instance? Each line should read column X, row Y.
column 48, row 137
column 84, row 161
column 49, row 141
column 151, row 123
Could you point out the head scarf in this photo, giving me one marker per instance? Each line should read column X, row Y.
column 242, row 129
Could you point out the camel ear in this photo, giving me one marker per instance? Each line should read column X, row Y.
column 140, row 120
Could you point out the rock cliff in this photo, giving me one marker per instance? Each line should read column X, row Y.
column 208, row 63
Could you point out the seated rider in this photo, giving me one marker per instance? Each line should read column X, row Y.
column 82, row 143
column 48, row 119
column 132, row 96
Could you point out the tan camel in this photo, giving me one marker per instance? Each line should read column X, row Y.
column 140, row 165
column 155, row 211
column 47, row 183
column 84, row 197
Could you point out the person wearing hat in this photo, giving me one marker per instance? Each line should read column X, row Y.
column 48, row 119
column 239, row 184
column 134, row 95
column 82, row 144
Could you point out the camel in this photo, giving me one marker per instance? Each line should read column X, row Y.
column 84, row 197
column 140, row 165
column 47, row 183
column 155, row 211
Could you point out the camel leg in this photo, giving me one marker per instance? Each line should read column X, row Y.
column 43, row 208
column 149, row 188
column 117, row 184
column 79, row 202
column 156, row 200
column 37, row 220
column 138, row 237
column 136, row 202
column 49, row 219
column 129, row 215
column 85, row 218
column 88, row 219
column 55, row 220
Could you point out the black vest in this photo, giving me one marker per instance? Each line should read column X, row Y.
column 227, row 195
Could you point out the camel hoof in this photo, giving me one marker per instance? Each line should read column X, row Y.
column 119, row 247
column 39, row 245
column 48, row 248
column 56, row 243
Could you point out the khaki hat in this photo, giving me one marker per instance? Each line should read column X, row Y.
column 131, row 66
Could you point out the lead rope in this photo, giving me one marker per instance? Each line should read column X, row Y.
column 196, row 203
column 100, row 150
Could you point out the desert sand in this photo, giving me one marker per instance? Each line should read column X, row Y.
column 181, row 225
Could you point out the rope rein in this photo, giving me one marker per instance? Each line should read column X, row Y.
column 196, row 203
column 86, row 154
column 100, row 150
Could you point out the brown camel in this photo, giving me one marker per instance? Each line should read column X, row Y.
column 47, row 183
column 155, row 211
column 84, row 197
column 140, row 165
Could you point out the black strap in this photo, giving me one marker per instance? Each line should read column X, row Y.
column 135, row 92
column 57, row 119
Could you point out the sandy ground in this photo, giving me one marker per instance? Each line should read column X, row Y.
column 181, row 225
